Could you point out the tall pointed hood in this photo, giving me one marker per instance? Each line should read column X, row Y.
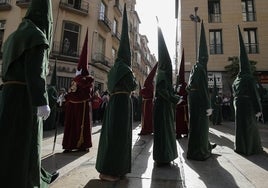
column 203, row 51
column 122, row 65
column 150, row 78
column 40, row 13
column 83, row 61
column 182, row 68
column 53, row 80
column 244, row 67
column 181, row 80
column 164, row 61
column 124, row 54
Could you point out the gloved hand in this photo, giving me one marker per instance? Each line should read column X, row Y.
column 209, row 111
column 43, row 111
column 258, row 115
column 78, row 72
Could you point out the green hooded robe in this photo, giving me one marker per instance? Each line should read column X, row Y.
column 247, row 104
column 114, row 152
column 165, row 147
column 199, row 148
column 25, row 61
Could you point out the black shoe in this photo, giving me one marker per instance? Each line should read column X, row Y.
column 178, row 136
column 54, row 176
column 162, row 164
column 213, row 146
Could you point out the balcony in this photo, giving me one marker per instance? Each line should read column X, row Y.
column 5, row 5
column 104, row 22
column 252, row 48
column 63, row 54
column 116, row 35
column 23, row 3
column 117, row 8
column 214, row 18
column 76, row 6
column 102, row 62
column 249, row 16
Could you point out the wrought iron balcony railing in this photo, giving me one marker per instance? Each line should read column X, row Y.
column 5, row 5
column 78, row 6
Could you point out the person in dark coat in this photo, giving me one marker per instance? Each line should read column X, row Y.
column 115, row 143
column 147, row 93
column 77, row 122
column 216, row 104
column 25, row 103
column 50, row 122
column 247, row 104
column 199, row 147
column 164, row 147
column 182, row 118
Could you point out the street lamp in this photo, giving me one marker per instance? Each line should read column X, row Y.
column 195, row 18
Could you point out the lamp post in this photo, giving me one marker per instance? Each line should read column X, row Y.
column 195, row 18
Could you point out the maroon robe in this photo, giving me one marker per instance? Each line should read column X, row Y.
column 147, row 94
column 77, row 124
column 182, row 117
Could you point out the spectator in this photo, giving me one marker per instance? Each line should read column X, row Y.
column 105, row 99
column 96, row 103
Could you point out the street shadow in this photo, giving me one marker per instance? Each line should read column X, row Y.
column 51, row 133
column 141, row 153
column 58, row 160
column 259, row 159
column 221, row 140
column 166, row 176
column 210, row 172
column 96, row 183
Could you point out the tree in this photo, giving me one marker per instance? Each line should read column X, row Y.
column 233, row 68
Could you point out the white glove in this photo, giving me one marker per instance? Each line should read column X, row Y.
column 258, row 114
column 209, row 111
column 78, row 72
column 43, row 111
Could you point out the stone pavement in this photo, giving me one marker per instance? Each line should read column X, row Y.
column 225, row 168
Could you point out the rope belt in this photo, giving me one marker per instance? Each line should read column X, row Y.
column 14, row 82
column 192, row 89
column 120, row 92
column 76, row 102
column 147, row 99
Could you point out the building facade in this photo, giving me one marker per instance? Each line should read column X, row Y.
column 221, row 18
column 72, row 18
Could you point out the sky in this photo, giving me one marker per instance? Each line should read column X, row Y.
column 148, row 10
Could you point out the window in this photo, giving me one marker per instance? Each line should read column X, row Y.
column 101, row 45
column 102, row 11
column 248, row 10
column 215, row 41
column 214, row 11
column 115, row 27
column 70, row 39
column 114, row 54
column 250, row 40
